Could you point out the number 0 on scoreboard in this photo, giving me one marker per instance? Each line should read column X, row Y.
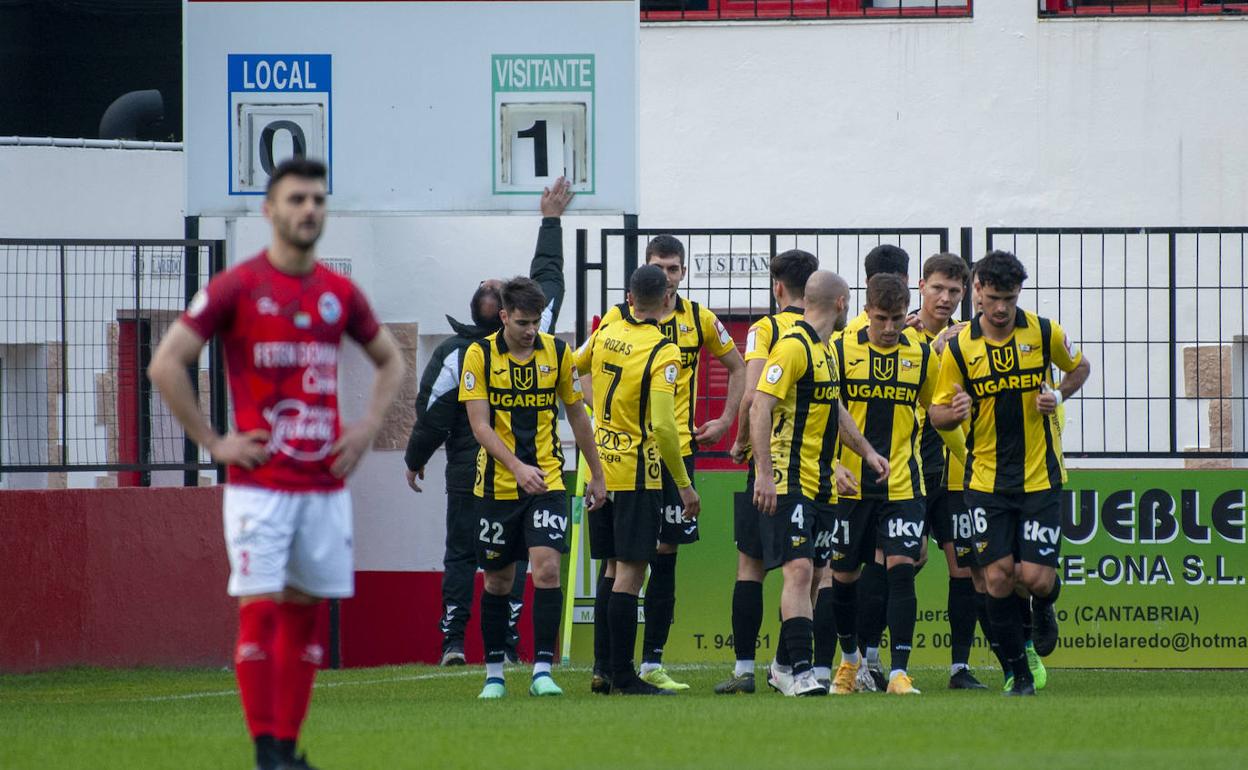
column 543, row 122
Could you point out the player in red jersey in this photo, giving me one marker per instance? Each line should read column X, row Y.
column 280, row 317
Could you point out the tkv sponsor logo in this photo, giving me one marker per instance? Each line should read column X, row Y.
column 674, row 514
column 899, row 528
column 548, row 520
column 1034, row 532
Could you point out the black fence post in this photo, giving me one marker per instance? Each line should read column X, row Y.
column 968, row 256
column 582, row 300
column 1173, row 327
column 630, row 246
column 190, row 286
column 64, row 361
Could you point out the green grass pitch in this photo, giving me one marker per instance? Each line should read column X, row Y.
column 420, row 717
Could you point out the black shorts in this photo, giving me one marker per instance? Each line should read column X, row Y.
column 626, row 527
column 861, row 526
column 507, row 529
column 1026, row 525
column 962, row 527
column 796, row 531
column 745, row 519
column 938, row 521
column 673, row 529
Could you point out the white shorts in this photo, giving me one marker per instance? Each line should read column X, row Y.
column 298, row 539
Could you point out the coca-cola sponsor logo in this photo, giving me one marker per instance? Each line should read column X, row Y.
column 300, row 431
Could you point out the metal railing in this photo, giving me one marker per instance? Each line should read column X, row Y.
column 1061, row 8
column 728, row 272
column 79, row 320
column 1160, row 311
column 753, row 10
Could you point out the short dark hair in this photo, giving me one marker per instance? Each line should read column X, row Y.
column 304, row 168
column 887, row 292
column 1000, row 270
column 665, row 246
column 886, row 258
column 647, row 285
column 793, row 268
column 483, row 293
column 523, row 293
column 947, row 264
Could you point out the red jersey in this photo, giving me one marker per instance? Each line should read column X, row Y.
column 281, row 335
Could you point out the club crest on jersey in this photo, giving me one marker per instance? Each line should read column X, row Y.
column 329, row 307
column 882, row 368
column 522, row 377
column 1002, row 358
column 544, row 369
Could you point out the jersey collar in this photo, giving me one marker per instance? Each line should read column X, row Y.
column 501, row 344
column 810, row 330
column 1020, row 322
column 794, row 309
column 865, row 339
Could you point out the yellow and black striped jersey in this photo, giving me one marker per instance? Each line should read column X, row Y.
column 524, row 407
column 1011, row 446
column 628, row 360
column 802, row 373
column 932, row 446
column 883, row 388
column 767, row 330
column 690, row 327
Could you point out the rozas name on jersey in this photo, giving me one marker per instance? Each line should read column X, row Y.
column 290, row 355
column 1006, row 383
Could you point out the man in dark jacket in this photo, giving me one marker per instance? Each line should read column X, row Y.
column 441, row 418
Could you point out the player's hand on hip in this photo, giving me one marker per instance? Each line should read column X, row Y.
column 595, row 493
column 879, row 464
column 740, row 452
column 412, row 476
column 961, row 403
column 531, row 479
column 710, row 432
column 246, row 450
column 691, row 501
column 350, row 447
column 555, row 199
column 1046, row 401
column 846, row 481
column 765, row 494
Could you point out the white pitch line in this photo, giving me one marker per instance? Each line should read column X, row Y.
column 469, row 671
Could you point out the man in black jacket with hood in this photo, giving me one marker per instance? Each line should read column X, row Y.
column 441, row 418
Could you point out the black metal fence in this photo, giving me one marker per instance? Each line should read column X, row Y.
column 728, row 273
column 79, row 320
column 1140, row 7
column 1160, row 313
column 749, row 10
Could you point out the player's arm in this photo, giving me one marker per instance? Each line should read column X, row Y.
column 849, row 435
column 1073, row 362
column 179, row 350
column 357, row 437
column 547, row 265
column 719, row 343
column 761, row 410
column 757, row 348
column 582, row 430
column 951, row 404
column 583, row 360
column 437, row 401
column 528, row 477
column 663, row 423
column 954, row 438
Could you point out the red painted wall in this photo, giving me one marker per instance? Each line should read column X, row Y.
column 113, row 577
column 137, row 577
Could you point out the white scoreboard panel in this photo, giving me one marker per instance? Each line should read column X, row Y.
column 416, row 106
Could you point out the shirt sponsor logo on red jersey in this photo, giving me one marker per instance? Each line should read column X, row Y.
column 300, row 431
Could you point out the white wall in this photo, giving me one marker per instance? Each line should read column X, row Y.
column 997, row 120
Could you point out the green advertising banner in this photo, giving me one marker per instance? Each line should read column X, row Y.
column 1154, row 567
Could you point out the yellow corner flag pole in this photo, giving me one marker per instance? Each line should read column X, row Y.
column 574, row 557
